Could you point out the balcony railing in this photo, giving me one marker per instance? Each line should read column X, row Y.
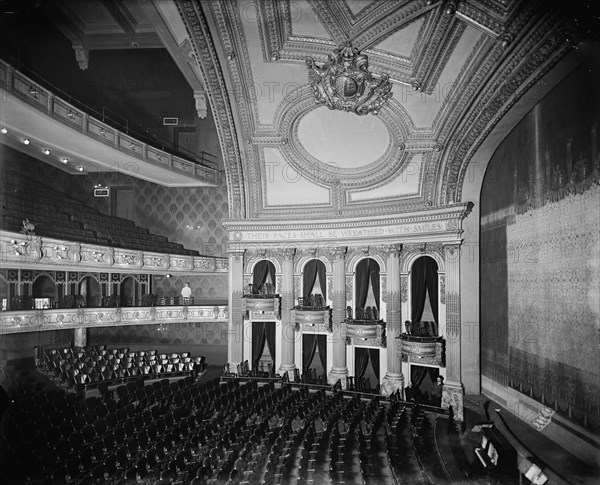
column 38, row 252
column 422, row 350
column 262, row 307
column 312, row 319
column 365, row 332
column 34, row 94
column 68, row 318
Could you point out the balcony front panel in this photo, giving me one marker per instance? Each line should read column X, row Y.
column 312, row 321
column 261, row 307
column 59, row 319
column 358, row 332
column 39, row 252
column 424, row 350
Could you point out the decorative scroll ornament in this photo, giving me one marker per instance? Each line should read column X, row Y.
column 345, row 83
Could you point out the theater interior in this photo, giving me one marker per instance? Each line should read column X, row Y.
column 387, row 211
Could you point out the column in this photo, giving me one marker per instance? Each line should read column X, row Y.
column 80, row 337
column 235, row 329
column 338, row 298
column 453, row 391
column 393, row 379
column 288, row 336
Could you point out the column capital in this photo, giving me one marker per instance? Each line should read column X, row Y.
column 287, row 254
column 336, row 252
column 452, row 247
column 392, row 249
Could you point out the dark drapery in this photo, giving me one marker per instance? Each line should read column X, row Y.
column 424, row 279
column 258, row 342
column 313, row 269
column 309, row 345
column 322, row 344
column 270, row 338
column 417, row 374
column 367, row 271
column 260, row 272
column 374, row 358
column 361, row 359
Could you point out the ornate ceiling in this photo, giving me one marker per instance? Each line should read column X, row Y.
column 456, row 68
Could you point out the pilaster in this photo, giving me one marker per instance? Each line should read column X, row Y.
column 236, row 291
column 394, row 379
column 453, row 389
column 338, row 298
column 288, row 336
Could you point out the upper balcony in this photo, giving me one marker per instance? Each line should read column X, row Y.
column 312, row 315
column 45, row 119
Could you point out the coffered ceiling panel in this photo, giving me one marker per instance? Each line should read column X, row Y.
column 305, row 23
column 405, row 183
column 285, row 186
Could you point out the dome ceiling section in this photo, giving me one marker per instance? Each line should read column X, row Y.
column 340, row 148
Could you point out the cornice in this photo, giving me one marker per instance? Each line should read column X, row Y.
column 205, row 53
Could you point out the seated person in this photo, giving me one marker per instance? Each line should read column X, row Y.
column 407, row 327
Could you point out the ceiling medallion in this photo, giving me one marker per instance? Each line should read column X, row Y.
column 345, row 83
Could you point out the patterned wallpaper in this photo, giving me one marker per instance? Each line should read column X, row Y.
column 540, row 253
column 187, row 215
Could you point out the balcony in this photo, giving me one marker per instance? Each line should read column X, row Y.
column 19, row 250
column 262, row 307
column 30, row 110
column 422, row 350
column 365, row 332
column 68, row 318
column 312, row 319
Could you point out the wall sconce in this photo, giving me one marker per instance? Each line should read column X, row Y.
column 71, row 114
column 65, row 160
column 26, row 141
column 47, row 151
column 4, row 130
column 33, row 91
column 168, row 275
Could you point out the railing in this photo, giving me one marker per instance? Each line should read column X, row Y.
column 68, row 318
column 366, row 332
column 41, row 252
column 34, row 94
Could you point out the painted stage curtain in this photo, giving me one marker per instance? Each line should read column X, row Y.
column 312, row 270
column 424, row 279
column 361, row 359
column 309, row 345
column 367, row 271
column 261, row 271
column 258, row 342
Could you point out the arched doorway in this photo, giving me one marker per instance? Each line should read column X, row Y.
column 263, row 278
column 424, row 297
column 367, row 290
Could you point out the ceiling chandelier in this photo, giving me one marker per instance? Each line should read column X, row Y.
column 345, row 83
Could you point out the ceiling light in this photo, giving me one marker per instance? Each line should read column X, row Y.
column 65, row 160
column 47, row 151
column 26, row 141
column 4, row 131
